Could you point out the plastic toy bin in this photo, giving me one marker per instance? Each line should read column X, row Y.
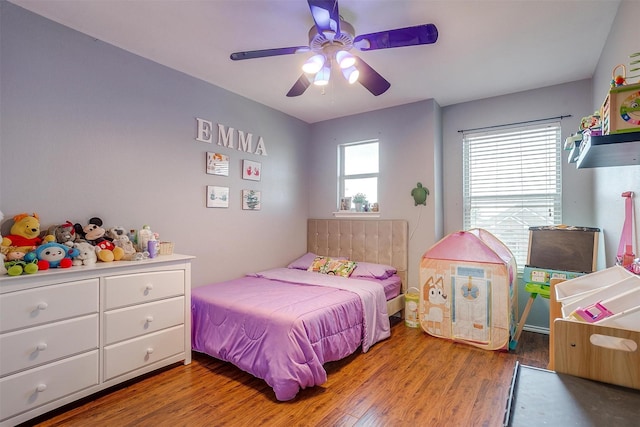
column 573, row 289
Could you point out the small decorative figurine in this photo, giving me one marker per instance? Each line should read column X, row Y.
column 420, row 194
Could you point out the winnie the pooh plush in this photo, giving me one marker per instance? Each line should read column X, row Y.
column 25, row 233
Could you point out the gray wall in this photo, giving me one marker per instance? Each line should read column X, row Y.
column 577, row 185
column 409, row 137
column 91, row 130
column 610, row 183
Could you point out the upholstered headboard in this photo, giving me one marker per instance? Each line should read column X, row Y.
column 377, row 241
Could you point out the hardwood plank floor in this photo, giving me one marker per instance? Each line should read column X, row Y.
column 409, row 379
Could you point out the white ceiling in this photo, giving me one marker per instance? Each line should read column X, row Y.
column 485, row 48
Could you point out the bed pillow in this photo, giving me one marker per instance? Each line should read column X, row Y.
column 305, row 261
column 339, row 267
column 376, row 271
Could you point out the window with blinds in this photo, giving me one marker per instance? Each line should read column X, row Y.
column 512, row 181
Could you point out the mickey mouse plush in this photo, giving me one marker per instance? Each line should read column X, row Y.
column 94, row 234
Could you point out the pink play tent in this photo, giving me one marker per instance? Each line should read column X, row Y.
column 468, row 290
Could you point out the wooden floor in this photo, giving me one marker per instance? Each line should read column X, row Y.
column 410, row 379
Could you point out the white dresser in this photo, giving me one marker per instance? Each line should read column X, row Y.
column 68, row 333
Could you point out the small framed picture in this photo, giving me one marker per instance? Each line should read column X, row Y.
column 251, row 170
column 217, row 164
column 345, row 204
column 251, row 200
column 217, row 197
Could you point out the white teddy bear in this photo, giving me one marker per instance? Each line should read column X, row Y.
column 87, row 255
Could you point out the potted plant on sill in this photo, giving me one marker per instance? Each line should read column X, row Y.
column 359, row 200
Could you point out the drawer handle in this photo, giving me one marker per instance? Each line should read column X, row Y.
column 149, row 319
column 148, row 287
column 42, row 306
column 41, row 387
column 42, row 346
column 150, row 350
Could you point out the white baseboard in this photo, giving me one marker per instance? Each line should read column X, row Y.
column 536, row 329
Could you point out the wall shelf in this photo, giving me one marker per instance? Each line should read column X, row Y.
column 610, row 150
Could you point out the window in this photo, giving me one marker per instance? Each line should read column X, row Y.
column 358, row 166
column 512, row 181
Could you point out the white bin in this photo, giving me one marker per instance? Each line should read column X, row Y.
column 570, row 290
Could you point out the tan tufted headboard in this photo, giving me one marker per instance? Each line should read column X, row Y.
column 377, row 241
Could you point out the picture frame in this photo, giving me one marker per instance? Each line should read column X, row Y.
column 251, row 200
column 217, row 197
column 217, row 164
column 345, row 204
column 251, row 170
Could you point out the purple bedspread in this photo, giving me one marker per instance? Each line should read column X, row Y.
column 284, row 332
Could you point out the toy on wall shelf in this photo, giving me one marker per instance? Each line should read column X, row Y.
column 618, row 79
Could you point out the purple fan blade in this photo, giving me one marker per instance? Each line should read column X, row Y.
column 251, row 54
column 370, row 79
column 299, row 86
column 410, row 36
column 326, row 16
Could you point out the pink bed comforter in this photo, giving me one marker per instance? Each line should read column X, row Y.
column 282, row 325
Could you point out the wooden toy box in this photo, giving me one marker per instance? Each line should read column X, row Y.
column 620, row 112
column 607, row 354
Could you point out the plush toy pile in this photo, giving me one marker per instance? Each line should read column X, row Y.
column 26, row 250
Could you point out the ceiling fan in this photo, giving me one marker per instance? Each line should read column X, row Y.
column 331, row 40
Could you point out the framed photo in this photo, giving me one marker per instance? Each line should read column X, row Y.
column 251, row 170
column 217, row 164
column 217, row 197
column 345, row 204
column 251, row 200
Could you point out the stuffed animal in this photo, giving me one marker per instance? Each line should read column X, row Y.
column 3, row 269
column 95, row 234
column 14, row 253
column 18, row 267
column 86, row 254
column 64, row 233
column 52, row 255
column 25, row 232
column 121, row 240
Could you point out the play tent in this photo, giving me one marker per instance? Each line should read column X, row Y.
column 468, row 290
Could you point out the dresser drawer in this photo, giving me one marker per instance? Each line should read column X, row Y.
column 42, row 344
column 133, row 354
column 35, row 387
column 129, row 322
column 47, row 304
column 144, row 287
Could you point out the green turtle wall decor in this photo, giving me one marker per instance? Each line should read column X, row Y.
column 420, row 194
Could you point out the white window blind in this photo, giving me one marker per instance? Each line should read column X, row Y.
column 512, row 181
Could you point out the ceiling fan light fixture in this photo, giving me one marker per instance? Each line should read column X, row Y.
column 322, row 77
column 314, row 64
column 351, row 74
column 345, row 59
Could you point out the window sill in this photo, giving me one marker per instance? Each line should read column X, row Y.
column 354, row 214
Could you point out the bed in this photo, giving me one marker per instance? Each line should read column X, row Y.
column 282, row 325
